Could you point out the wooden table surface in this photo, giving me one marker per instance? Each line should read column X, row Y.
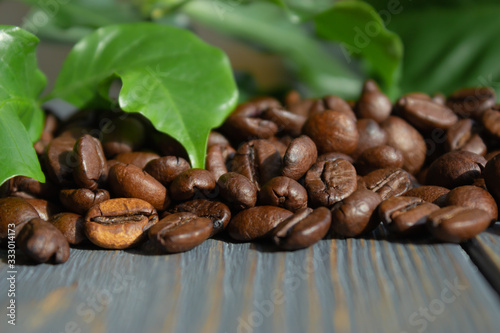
column 374, row 284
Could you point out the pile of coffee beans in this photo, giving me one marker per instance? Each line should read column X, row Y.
column 289, row 174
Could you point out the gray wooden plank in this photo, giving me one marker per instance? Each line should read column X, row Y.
column 353, row 285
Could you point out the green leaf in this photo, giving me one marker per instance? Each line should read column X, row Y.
column 360, row 28
column 21, row 119
column 300, row 10
column 182, row 85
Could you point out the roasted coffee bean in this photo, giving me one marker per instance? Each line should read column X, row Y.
column 333, row 103
column 287, row 122
column 192, row 182
column 43, row 242
column 47, row 135
column 426, row 114
column 388, row 182
column 491, row 122
column 283, row 192
column 81, row 200
column 237, row 190
column 90, row 170
column 166, row 145
column 180, row 232
column 280, row 144
column 408, row 140
column 119, row 223
column 491, row 154
column 215, row 138
column 356, row 214
column 217, row 212
column 332, row 131
column 130, row 181
column 329, row 182
column 122, row 135
column 71, row 225
column 471, row 101
column 299, row 157
column 457, row 224
column 455, row 168
column 256, row 222
column 25, row 187
column 44, row 208
column 257, row 160
column 14, row 213
column 302, row 107
column 379, row 157
column 218, row 158
column 429, row 193
column 475, row 145
column 373, row 104
column 333, row 157
column 370, row 135
column 139, row 159
column 406, row 216
column 60, row 160
column 166, row 168
column 492, row 177
column 479, row 182
column 439, row 98
column 303, row 229
column 292, row 98
column 458, row 135
column 473, row 197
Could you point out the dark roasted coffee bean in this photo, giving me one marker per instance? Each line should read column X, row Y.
column 60, row 160
column 479, row 182
column 191, row 183
column 332, row 131
column 237, row 190
column 166, row 168
column 457, row 224
column 370, row 135
column 256, row 222
column 408, row 140
column 333, row 103
column 299, row 157
column 303, row 229
column 379, row 157
column 130, row 181
column 217, row 212
column 47, row 135
column 475, row 145
column 81, row 200
column 356, row 215
column 455, row 168
column 458, row 135
column 218, row 158
column 25, row 187
column 491, row 154
column 14, row 213
column 439, row 98
column 283, row 192
column 491, row 122
column 302, row 107
column 138, row 158
column 180, row 232
column 287, row 122
column 388, row 182
column 334, row 156
column 373, row 104
column 280, row 144
column 90, row 170
column 329, row 182
column 44, row 208
column 119, row 223
column 471, row 101
column 122, row 135
column 71, row 225
column 167, row 145
column 406, row 216
column 257, row 160
column 215, row 138
column 492, row 177
column 43, row 242
column 473, row 197
column 429, row 193
column 426, row 114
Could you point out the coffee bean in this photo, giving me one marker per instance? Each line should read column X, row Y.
column 139, row 159
column 426, row 114
column 119, row 223
column 406, row 216
column 379, row 157
column 44, row 208
column 370, row 135
column 81, row 200
column 333, row 157
column 60, row 160
column 455, row 168
column 166, row 168
column 25, row 187
column 281, row 144
column 166, row 145
column 492, row 177
column 491, row 122
column 256, row 222
column 43, row 242
column 333, row 103
column 192, row 182
column 122, row 135
column 48, row 131
column 471, row 101
column 180, row 232
column 458, row 135
column 299, row 157
column 217, row 212
column 303, row 229
column 329, row 182
column 130, row 181
column 302, row 107
column 429, row 193
column 373, row 104
column 218, row 158
column 283, row 192
column 91, row 169
column 14, row 211
column 356, row 214
column 491, row 154
column 237, row 190
column 388, row 182
column 473, row 197
column 408, row 140
column 287, row 122
column 216, row 138
column 457, row 224
column 71, row 225
column 332, row 131
column 257, row 160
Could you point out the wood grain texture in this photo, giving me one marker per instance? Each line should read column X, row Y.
column 354, row 285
